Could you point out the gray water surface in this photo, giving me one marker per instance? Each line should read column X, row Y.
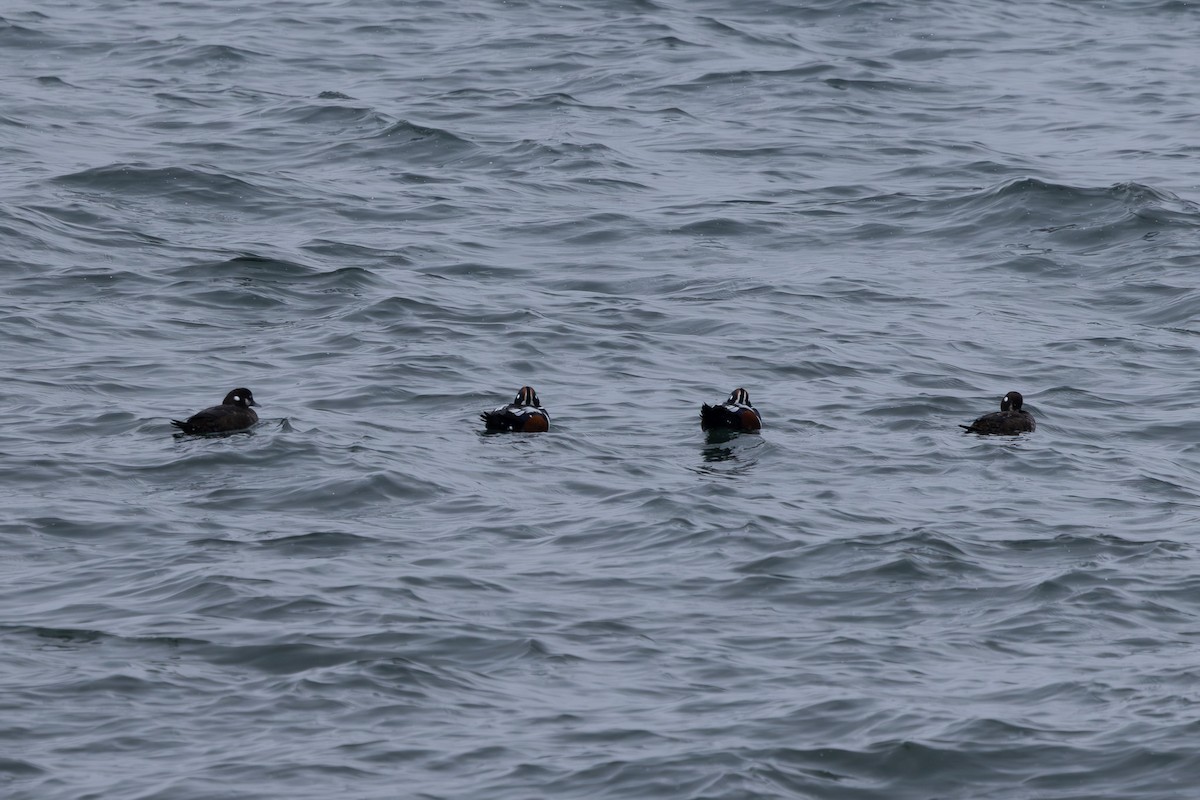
column 384, row 218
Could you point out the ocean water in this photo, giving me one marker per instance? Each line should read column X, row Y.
column 383, row 218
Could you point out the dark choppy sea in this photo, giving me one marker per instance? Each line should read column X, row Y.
column 384, row 217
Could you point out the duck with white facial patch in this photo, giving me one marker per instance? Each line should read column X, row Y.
column 735, row 414
column 523, row 415
column 234, row 414
column 1010, row 420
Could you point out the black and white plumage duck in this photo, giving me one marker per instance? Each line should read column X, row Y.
column 735, row 414
column 234, row 414
column 524, row 414
column 1010, row 420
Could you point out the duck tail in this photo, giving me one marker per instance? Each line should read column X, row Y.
column 716, row 417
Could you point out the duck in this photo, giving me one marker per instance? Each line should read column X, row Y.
column 734, row 414
column 524, row 414
column 1010, row 420
column 234, row 414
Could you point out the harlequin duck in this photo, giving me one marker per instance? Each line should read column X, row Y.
column 234, row 414
column 1008, row 421
column 734, row 414
column 524, row 414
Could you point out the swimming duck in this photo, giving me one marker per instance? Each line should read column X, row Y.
column 524, row 414
column 234, row 414
column 1008, row 421
column 735, row 414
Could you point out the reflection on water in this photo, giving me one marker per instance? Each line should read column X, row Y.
column 726, row 452
column 714, row 441
column 711, row 453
